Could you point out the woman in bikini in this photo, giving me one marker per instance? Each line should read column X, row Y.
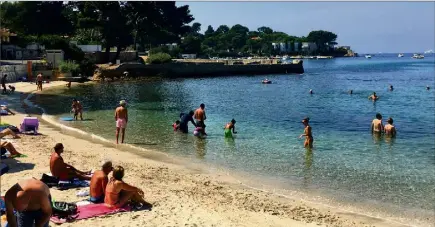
column 307, row 133
column 118, row 193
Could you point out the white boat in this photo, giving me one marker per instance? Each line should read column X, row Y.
column 418, row 56
column 429, row 52
column 368, row 56
column 400, row 56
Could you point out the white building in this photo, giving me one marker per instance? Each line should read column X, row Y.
column 275, row 46
column 296, row 45
column 282, row 47
column 309, row 47
column 188, row 56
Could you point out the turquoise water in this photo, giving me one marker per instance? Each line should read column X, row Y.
column 346, row 162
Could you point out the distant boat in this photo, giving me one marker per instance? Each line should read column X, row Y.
column 266, row 81
column 429, row 52
column 400, row 56
column 418, row 56
column 368, row 56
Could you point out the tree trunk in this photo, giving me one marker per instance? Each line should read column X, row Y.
column 118, row 51
column 107, row 54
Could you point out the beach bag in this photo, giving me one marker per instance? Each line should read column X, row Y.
column 50, row 181
column 64, row 210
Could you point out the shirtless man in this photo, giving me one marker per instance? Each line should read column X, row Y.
column 377, row 126
column 374, row 97
column 4, row 110
column 121, row 118
column 63, row 171
column 39, row 82
column 8, row 131
column 7, row 146
column 32, row 202
column 389, row 129
column 77, row 108
column 99, row 182
column 307, row 133
column 199, row 116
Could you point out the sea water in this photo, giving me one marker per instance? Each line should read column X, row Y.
column 347, row 163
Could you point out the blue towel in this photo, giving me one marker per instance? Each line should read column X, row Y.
column 3, row 168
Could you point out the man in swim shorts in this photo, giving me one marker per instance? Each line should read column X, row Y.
column 228, row 127
column 377, row 126
column 307, row 133
column 184, row 120
column 77, row 108
column 99, row 182
column 63, row 171
column 389, row 129
column 199, row 116
column 121, row 118
column 32, row 202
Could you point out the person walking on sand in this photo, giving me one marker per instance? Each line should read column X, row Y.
column 31, row 201
column 3, row 82
column 307, row 133
column 200, row 117
column 77, row 108
column 121, row 118
column 39, row 82
column 377, row 126
column 389, row 129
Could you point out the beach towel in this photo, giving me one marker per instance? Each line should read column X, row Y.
column 51, row 181
column 3, row 168
column 89, row 211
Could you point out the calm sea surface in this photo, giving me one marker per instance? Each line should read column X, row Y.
column 347, row 163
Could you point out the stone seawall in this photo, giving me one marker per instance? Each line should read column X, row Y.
column 174, row 70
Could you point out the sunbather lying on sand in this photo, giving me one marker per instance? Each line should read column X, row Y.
column 63, row 171
column 119, row 193
column 9, row 147
column 7, row 132
column 99, row 182
column 4, row 110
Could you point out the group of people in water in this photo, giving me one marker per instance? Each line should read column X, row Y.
column 31, row 199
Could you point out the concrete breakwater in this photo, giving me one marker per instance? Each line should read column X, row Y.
column 176, row 70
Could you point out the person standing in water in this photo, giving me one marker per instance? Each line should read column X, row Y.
column 391, row 88
column 374, row 97
column 184, row 120
column 307, row 133
column 228, row 127
column 121, row 118
column 389, row 129
column 377, row 126
column 199, row 116
column 77, row 108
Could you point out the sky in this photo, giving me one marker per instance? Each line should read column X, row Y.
column 368, row 27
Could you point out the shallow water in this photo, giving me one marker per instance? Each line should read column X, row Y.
column 347, row 163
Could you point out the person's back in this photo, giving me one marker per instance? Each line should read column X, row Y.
column 199, row 114
column 389, row 129
column 98, row 184
column 377, row 125
column 121, row 112
column 57, row 165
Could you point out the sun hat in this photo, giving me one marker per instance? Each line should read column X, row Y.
column 122, row 102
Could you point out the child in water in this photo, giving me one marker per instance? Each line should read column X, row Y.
column 199, row 131
column 228, row 127
column 176, row 125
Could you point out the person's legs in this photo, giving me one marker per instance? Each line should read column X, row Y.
column 123, row 133
column 10, row 148
column 117, row 134
column 8, row 131
column 81, row 115
column 126, row 196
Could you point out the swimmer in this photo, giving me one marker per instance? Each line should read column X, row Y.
column 391, row 88
column 77, row 108
column 311, row 91
column 374, row 97
column 228, row 127
column 176, row 125
column 4, row 110
column 121, row 118
column 307, row 133
column 350, row 91
column 377, row 126
column 389, row 129
column 198, row 131
column 427, row 87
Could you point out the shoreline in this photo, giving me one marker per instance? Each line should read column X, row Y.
column 232, row 183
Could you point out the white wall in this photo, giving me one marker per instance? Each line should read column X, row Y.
column 90, row 48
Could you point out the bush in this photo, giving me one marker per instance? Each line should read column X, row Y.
column 159, row 58
column 87, row 67
column 68, row 67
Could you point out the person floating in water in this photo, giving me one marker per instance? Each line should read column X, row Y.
column 228, row 127
column 176, row 125
column 374, row 97
column 311, row 91
column 427, row 87
column 200, row 117
column 198, row 131
column 391, row 88
column 377, row 126
column 184, row 120
column 121, row 118
column 350, row 91
column 77, row 108
column 307, row 133
column 389, row 129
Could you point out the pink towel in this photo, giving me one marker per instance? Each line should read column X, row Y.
column 91, row 210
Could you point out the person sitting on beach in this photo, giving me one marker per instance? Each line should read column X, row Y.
column 389, row 129
column 63, row 171
column 77, row 108
column 377, row 126
column 4, row 110
column 199, row 132
column 391, row 88
column 307, row 133
column 121, row 118
column 118, row 193
column 7, row 146
column 228, row 127
column 374, row 97
column 8, row 131
column 185, row 119
column 31, row 201
column 99, row 182
column 176, row 125
column 200, row 117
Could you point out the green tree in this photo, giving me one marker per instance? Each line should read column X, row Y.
column 323, row 39
column 209, row 31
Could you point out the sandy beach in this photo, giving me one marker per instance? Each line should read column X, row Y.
column 180, row 196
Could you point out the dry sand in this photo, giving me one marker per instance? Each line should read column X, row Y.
column 180, row 195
